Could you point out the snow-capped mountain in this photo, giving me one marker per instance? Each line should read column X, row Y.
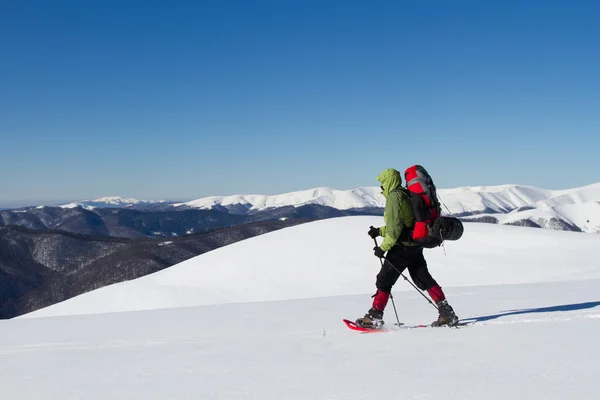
column 506, row 198
column 365, row 197
column 571, row 209
column 112, row 202
column 250, row 321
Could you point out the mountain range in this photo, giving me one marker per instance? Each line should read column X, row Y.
column 117, row 202
column 128, row 222
column 576, row 209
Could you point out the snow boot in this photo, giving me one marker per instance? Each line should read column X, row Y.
column 372, row 320
column 447, row 316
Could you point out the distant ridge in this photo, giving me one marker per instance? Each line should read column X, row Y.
column 576, row 209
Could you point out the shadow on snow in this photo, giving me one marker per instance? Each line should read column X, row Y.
column 565, row 307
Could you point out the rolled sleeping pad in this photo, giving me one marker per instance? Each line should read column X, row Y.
column 443, row 228
column 447, row 228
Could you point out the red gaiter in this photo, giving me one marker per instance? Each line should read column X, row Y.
column 380, row 300
column 436, row 293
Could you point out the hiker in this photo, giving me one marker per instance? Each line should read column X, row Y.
column 402, row 254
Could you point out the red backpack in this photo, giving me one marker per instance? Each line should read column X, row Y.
column 431, row 229
column 424, row 200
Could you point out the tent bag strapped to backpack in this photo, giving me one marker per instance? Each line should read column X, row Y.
column 430, row 229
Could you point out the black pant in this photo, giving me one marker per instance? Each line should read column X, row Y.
column 402, row 258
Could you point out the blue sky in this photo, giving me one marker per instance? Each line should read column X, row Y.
column 184, row 99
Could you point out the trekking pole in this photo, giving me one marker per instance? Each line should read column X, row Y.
column 406, row 279
column 395, row 312
column 391, row 297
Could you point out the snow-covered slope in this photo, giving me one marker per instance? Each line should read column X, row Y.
column 579, row 207
column 499, row 199
column 506, row 198
column 334, row 257
column 531, row 295
column 584, row 217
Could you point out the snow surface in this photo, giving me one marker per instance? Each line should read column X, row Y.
column 261, row 319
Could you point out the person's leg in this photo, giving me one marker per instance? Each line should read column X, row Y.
column 423, row 280
column 421, row 276
column 386, row 278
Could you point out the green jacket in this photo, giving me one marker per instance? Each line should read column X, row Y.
column 398, row 212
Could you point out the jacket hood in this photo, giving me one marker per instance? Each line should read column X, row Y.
column 390, row 179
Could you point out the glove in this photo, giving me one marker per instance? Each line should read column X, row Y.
column 373, row 232
column 378, row 252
